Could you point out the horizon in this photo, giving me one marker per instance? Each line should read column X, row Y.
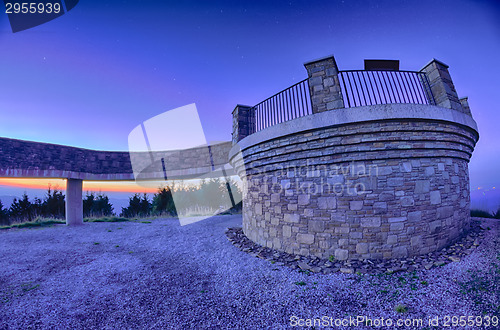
column 482, row 198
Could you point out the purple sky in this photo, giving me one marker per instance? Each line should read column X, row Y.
column 89, row 77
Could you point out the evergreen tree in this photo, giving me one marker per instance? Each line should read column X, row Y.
column 138, row 207
column 88, row 202
column 163, row 203
column 37, row 207
column 54, row 204
column 21, row 210
column 102, row 207
column 97, row 206
column 4, row 215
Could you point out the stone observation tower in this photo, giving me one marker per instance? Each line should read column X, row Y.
column 358, row 164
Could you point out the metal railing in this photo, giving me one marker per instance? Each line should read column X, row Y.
column 360, row 88
column 291, row 103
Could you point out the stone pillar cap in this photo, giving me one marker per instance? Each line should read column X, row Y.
column 434, row 60
column 241, row 106
column 320, row 59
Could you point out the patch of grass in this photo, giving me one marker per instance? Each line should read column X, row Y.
column 481, row 287
column 485, row 214
column 96, row 243
column 401, row 308
column 424, row 283
column 145, row 221
column 480, row 214
column 29, row 286
column 106, row 219
column 475, row 284
column 12, row 291
column 117, row 245
column 301, row 283
column 40, row 222
column 331, row 258
column 48, row 222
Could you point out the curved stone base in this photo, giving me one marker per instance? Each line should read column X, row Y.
column 453, row 253
column 368, row 190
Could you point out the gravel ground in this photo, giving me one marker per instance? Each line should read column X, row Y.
column 161, row 275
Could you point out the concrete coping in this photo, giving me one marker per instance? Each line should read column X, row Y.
column 355, row 115
column 434, row 60
column 320, row 59
column 240, row 106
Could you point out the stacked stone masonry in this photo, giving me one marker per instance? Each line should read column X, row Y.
column 443, row 89
column 374, row 190
column 324, row 85
column 35, row 159
column 243, row 122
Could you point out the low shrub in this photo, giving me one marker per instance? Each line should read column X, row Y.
column 480, row 214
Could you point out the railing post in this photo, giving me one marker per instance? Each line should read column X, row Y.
column 243, row 122
column 324, row 85
column 441, row 85
column 464, row 101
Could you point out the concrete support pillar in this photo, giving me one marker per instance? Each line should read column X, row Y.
column 441, row 85
column 324, row 85
column 243, row 122
column 74, row 203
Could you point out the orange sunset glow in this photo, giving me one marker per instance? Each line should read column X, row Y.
column 123, row 186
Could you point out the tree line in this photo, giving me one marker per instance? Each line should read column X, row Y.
column 208, row 194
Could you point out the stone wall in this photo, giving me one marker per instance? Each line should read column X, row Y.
column 378, row 189
column 20, row 159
